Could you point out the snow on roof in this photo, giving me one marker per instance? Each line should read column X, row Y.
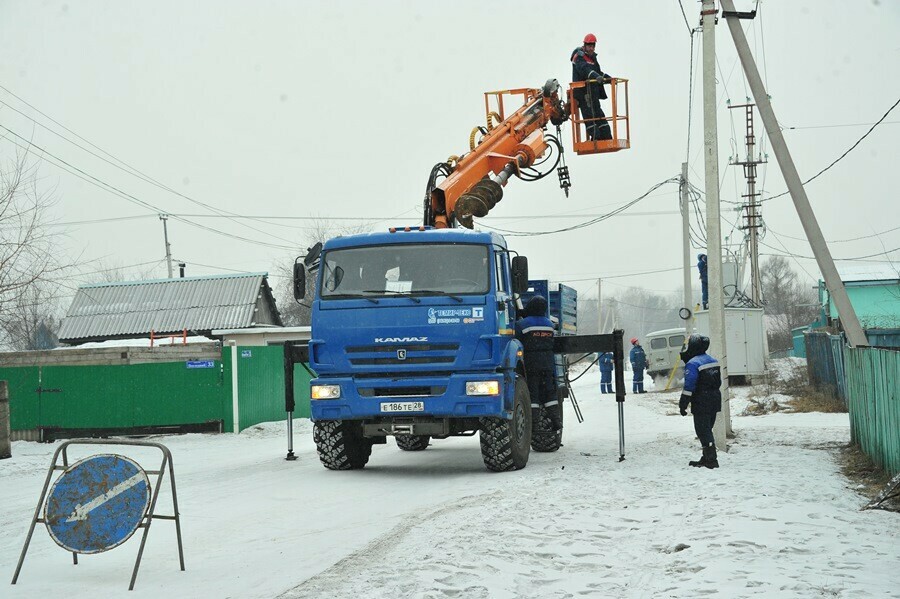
column 869, row 271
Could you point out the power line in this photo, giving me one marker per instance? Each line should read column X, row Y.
column 785, row 128
column 838, row 240
column 510, row 233
column 841, row 157
column 85, row 176
column 127, row 168
column 686, row 24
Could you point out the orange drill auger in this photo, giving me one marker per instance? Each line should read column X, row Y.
column 473, row 183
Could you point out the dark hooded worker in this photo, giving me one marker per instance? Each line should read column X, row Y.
column 704, row 279
column 702, row 382
column 535, row 331
column 586, row 68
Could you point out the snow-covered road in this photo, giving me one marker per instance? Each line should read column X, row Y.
column 777, row 519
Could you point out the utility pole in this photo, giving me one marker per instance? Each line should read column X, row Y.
column 599, row 308
column 164, row 218
column 753, row 205
column 713, row 219
column 855, row 334
column 686, row 246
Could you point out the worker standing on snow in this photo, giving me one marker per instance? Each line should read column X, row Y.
column 702, row 380
column 638, row 364
column 585, row 68
column 535, row 331
column 606, row 369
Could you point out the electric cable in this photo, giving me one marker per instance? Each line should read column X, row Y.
column 841, row 157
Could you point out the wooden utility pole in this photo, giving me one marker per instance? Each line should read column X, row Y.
column 5, row 443
column 855, row 334
column 717, row 347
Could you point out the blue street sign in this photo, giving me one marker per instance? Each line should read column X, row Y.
column 246, row 353
column 97, row 503
column 201, row 364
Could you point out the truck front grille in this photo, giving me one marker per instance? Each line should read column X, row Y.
column 400, row 354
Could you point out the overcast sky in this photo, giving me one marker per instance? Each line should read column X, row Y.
column 338, row 110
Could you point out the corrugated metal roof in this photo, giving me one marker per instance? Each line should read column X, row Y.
column 869, row 271
column 134, row 308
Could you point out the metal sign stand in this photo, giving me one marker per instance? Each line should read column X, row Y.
column 146, row 520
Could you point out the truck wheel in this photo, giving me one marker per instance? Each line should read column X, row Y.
column 543, row 437
column 341, row 445
column 412, row 442
column 505, row 444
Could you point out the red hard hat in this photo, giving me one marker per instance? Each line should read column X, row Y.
column 634, row 340
column 590, row 39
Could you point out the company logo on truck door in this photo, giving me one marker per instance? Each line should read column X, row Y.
column 399, row 339
column 455, row 315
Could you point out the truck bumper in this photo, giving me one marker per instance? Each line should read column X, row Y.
column 443, row 397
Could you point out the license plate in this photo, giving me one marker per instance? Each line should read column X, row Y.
column 403, row 406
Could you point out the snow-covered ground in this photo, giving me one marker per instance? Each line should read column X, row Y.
column 776, row 520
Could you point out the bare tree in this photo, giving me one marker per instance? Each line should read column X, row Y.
column 292, row 313
column 32, row 321
column 639, row 311
column 789, row 303
column 28, row 256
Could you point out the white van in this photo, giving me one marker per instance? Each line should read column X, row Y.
column 663, row 349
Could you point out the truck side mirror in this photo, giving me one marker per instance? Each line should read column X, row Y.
column 519, row 274
column 299, row 281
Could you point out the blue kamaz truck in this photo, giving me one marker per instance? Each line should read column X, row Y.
column 413, row 336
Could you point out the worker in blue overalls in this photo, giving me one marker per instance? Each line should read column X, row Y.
column 606, row 369
column 638, row 364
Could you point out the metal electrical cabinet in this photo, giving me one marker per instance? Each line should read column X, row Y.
column 744, row 339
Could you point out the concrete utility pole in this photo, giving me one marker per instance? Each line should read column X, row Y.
column 686, row 246
column 753, row 205
column 713, row 223
column 164, row 218
column 855, row 334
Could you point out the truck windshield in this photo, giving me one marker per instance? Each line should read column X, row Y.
column 409, row 269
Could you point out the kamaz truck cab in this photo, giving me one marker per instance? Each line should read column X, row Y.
column 413, row 336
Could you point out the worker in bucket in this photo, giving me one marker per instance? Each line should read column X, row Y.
column 702, row 380
column 535, row 331
column 638, row 364
column 606, row 369
column 585, row 68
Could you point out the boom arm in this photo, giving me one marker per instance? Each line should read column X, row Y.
column 475, row 183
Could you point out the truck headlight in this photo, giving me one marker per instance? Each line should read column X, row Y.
column 325, row 391
column 483, row 388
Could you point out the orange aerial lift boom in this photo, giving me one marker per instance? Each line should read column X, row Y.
column 473, row 183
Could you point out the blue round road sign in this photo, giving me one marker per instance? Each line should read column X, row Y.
column 97, row 503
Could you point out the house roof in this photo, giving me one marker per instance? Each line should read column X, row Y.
column 198, row 304
column 869, row 271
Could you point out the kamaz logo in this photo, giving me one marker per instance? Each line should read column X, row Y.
column 399, row 339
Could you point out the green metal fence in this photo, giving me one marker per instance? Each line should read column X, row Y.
column 873, row 399
column 153, row 394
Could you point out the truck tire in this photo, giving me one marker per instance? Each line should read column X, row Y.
column 341, row 445
column 505, row 444
column 543, row 437
column 412, row 442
